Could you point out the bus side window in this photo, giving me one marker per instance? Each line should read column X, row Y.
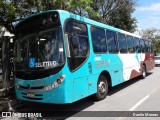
column 112, row 41
column 122, row 43
column 142, row 44
column 147, row 46
column 98, row 40
column 80, row 46
column 150, row 47
column 137, row 45
column 78, row 43
column 130, row 44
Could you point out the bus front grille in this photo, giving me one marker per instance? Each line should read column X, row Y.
column 32, row 88
column 31, row 98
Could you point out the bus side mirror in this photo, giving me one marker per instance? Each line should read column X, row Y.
column 67, row 38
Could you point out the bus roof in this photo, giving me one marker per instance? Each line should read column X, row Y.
column 86, row 20
column 92, row 22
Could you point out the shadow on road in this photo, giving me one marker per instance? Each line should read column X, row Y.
column 126, row 84
column 56, row 111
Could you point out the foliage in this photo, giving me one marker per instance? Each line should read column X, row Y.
column 154, row 35
column 122, row 18
column 113, row 12
column 116, row 13
column 156, row 45
column 148, row 33
column 7, row 12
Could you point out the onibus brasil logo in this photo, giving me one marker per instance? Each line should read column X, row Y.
column 14, row 114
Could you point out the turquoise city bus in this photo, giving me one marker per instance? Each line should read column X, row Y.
column 61, row 57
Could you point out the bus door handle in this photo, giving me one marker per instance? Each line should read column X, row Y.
column 115, row 71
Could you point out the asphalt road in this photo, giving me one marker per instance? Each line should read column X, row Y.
column 134, row 95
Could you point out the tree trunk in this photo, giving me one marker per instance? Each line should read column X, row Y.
column 5, row 63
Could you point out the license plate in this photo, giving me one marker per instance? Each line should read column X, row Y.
column 30, row 94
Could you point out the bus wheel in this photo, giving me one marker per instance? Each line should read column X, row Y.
column 143, row 72
column 102, row 88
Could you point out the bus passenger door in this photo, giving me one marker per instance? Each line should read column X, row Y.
column 78, row 64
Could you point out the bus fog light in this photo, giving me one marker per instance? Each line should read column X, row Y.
column 55, row 84
column 52, row 85
column 46, row 88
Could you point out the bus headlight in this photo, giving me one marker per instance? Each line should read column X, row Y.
column 59, row 81
column 55, row 84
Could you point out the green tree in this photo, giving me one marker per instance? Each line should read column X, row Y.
column 152, row 34
column 116, row 13
column 80, row 7
column 7, row 12
column 103, row 8
column 112, row 12
column 18, row 9
column 156, row 45
column 148, row 33
column 122, row 16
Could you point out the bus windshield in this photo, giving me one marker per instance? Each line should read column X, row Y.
column 39, row 51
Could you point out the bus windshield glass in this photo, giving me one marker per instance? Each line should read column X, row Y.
column 40, row 51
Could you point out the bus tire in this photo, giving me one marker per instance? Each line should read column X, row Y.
column 144, row 73
column 102, row 88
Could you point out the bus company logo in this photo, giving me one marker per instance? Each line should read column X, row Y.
column 46, row 64
column 32, row 62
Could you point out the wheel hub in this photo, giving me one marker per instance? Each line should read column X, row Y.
column 102, row 87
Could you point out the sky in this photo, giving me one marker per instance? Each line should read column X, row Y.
column 147, row 13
